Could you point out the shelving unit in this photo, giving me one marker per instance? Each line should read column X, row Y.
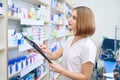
column 27, row 22
column 4, row 22
column 3, row 42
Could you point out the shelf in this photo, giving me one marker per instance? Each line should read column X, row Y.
column 43, row 75
column 31, row 22
column 46, row 22
column 60, row 62
column 69, row 5
column 45, row 39
column 1, row 16
column 1, row 49
column 56, row 10
column 37, row 2
column 57, row 76
column 61, row 0
column 58, row 37
column 12, row 75
column 13, row 18
column 57, row 24
column 27, row 46
column 27, row 69
column 27, row 21
column 24, row 47
column 69, row 34
column 30, row 68
column 13, row 47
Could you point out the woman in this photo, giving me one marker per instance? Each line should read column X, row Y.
column 78, row 53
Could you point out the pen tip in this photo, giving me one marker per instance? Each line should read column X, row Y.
column 25, row 37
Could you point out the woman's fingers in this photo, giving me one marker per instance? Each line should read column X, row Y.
column 43, row 46
column 52, row 66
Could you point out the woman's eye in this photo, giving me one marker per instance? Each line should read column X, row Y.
column 74, row 17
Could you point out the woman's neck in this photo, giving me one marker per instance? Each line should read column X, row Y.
column 76, row 38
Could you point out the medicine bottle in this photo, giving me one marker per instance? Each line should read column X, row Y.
column 1, row 9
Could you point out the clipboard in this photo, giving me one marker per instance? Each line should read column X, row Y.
column 36, row 47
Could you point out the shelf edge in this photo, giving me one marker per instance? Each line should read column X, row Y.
column 37, row 2
column 43, row 75
column 13, row 47
column 1, row 49
column 13, row 18
column 1, row 16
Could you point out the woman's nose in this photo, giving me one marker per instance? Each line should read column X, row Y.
column 69, row 19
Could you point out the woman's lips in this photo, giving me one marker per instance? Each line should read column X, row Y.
column 69, row 24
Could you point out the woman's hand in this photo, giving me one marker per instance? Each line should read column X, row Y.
column 57, row 68
column 44, row 48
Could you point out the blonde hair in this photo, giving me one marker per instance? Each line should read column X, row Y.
column 85, row 21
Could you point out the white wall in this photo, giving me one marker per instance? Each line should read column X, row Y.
column 107, row 15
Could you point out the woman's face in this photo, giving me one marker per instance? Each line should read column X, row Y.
column 72, row 21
